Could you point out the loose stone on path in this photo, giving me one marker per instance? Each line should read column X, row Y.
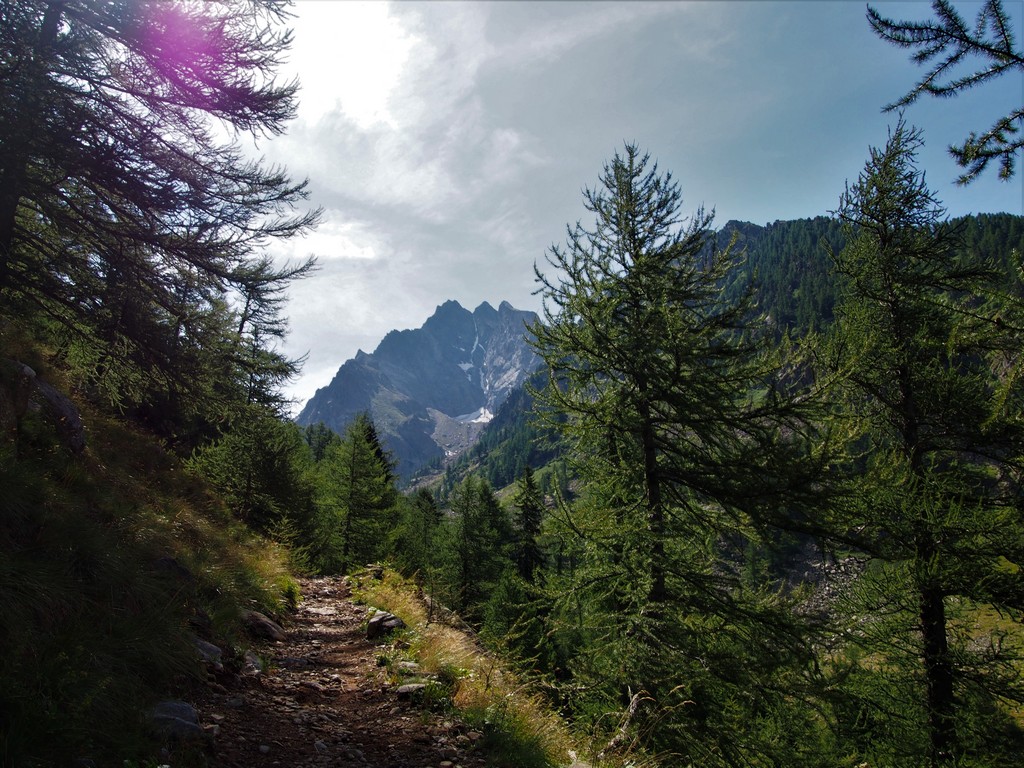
column 321, row 699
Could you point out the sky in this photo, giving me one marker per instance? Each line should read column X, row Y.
column 449, row 143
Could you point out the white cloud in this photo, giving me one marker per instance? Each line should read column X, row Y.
column 349, row 57
column 449, row 141
column 436, row 152
column 334, row 239
column 554, row 29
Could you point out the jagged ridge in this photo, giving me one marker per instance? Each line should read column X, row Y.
column 431, row 389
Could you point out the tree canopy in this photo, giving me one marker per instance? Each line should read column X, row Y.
column 683, row 442
column 918, row 346
column 129, row 213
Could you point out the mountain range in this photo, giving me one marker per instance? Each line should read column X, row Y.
column 430, row 390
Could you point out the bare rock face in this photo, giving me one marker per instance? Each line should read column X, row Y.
column 430, row 390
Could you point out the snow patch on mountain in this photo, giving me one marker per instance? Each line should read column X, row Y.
column 479, row 416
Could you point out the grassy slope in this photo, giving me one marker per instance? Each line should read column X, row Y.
column 520, row 725
column 104, row 559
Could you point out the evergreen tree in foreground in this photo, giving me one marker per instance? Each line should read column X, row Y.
column 130, row 229
column 686, row 447
column 356, row 498
column 950, row 42
column 920, row 343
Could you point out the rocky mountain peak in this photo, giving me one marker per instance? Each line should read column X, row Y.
column 431, row 389
column 486, row 310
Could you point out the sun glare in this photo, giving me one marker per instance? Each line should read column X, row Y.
column 349, row 56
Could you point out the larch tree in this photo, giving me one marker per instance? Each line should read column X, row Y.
column 515, row 614
column 261, row 326
column 946, row 43
column 916, row 352
column 261, row 469
column 125, row 196
column 414, row 540
column 529, row 505
column 686, row 445
column 357, row 498
column 473, row 547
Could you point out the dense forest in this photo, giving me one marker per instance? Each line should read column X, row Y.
column 761, row 505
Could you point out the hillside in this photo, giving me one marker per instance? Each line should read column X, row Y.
column 116, row 564
column 789, row 264
column 513, row 440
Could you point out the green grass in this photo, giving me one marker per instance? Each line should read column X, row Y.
column 519, row 727
column 93, row 624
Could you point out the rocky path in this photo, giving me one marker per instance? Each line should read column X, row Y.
column 322, row 700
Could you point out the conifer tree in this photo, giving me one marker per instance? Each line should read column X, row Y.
column 318, row 437
column 414, row 539
column 261, row 469
column 918, row 346
column 515, row 617
column 950, row 42
column 261, row 326
column 357, row 499
column 686, row 443
column 529, row 556
column 126, row 220
column 474, row 547
column 108, row 105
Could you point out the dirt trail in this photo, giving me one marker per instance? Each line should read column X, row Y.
column 324, row 701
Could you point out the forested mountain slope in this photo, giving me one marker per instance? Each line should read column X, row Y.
column 118, row 566
column 795, row 287
column 791, row 269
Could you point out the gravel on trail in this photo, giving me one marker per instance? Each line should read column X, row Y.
column 319, row 698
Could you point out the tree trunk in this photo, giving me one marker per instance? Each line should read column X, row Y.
column 17, row 145
column 938, row 667
column 939, row 676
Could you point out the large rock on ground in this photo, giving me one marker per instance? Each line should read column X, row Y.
column 17, row 381
column 263, row 626
column 382, row 623
column 177, row 721
column 64, row 415
column 22, row 391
